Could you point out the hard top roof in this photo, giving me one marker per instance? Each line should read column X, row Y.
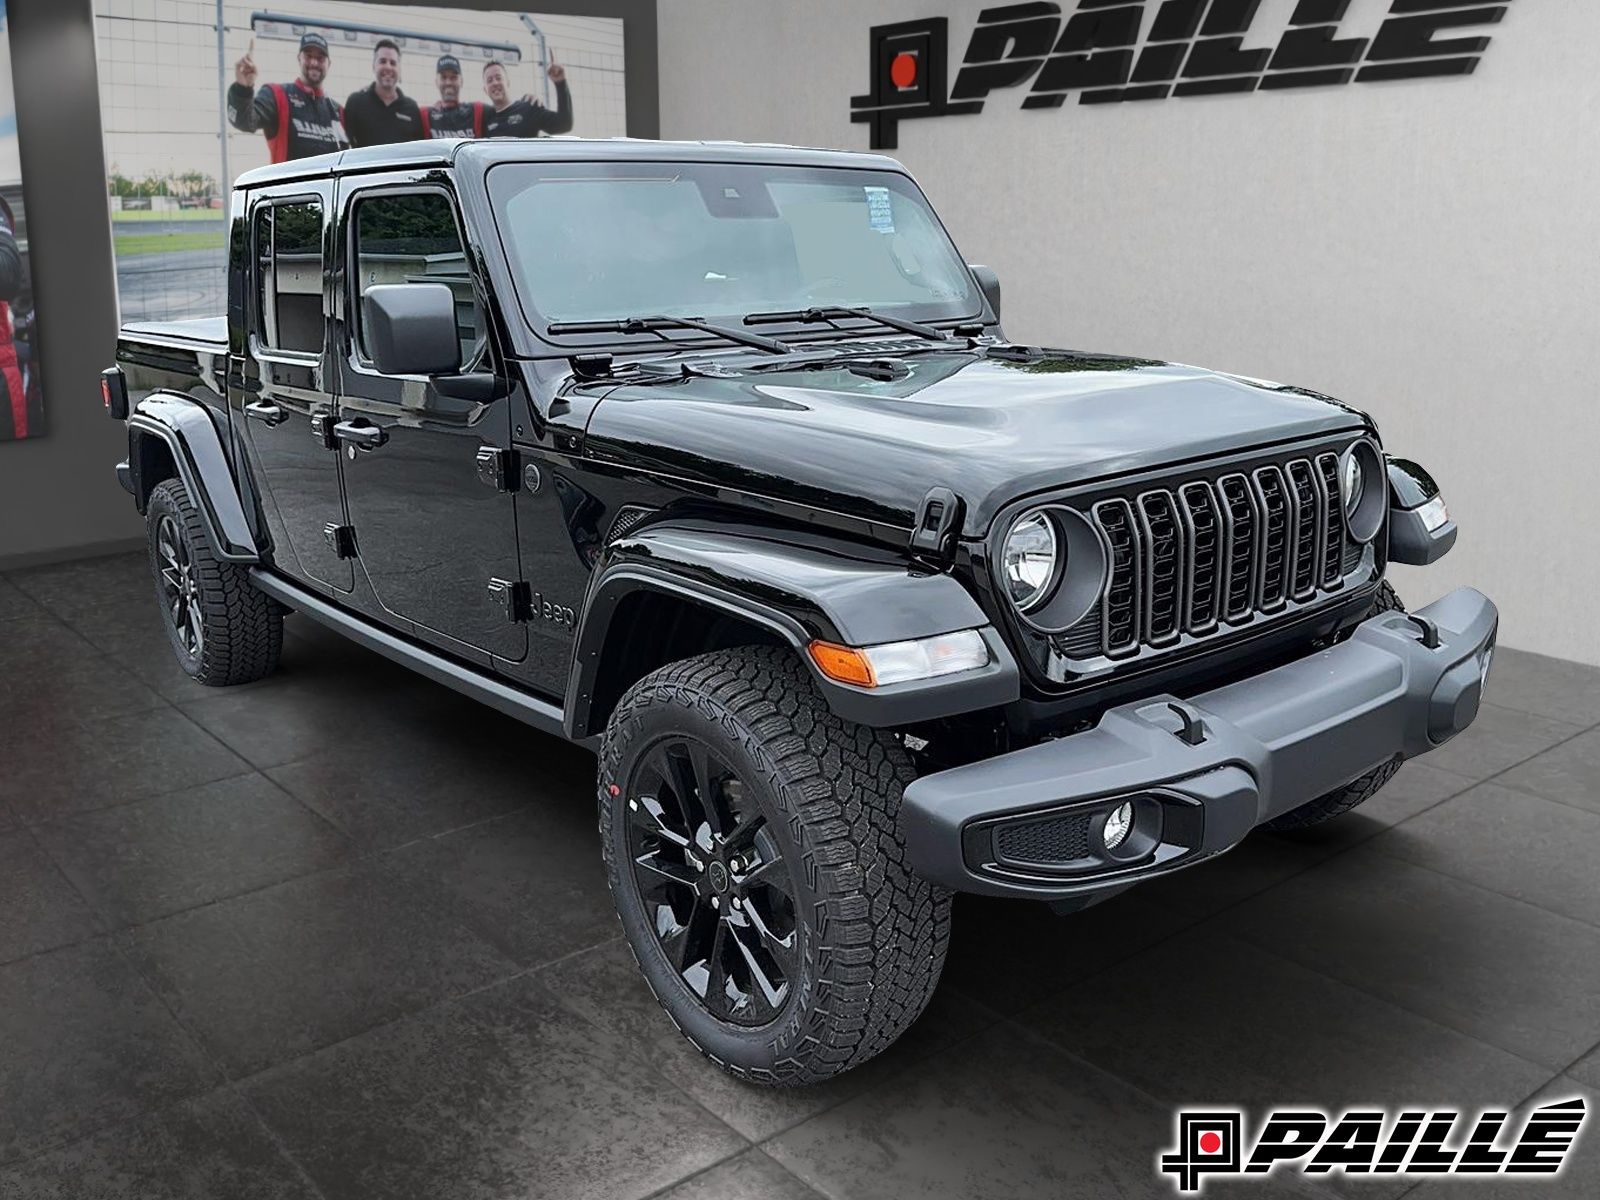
column 485, row 152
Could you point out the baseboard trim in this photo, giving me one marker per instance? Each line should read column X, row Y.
column 45, row 558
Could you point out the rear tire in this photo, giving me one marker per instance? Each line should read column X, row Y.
column 222, row 629
column 1340, row 801
column 796, row 866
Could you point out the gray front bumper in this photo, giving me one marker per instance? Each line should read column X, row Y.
column 1206, row 771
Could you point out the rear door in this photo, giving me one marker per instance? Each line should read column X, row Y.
column 436, row 538
column 286, row 403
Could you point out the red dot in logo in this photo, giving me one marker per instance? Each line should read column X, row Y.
column 903, row 70
column 1210, row 1143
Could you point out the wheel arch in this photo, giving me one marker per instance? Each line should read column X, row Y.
column 673, row 590
column 173, row 435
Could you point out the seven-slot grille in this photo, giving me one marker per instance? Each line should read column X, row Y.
column 1206, row 552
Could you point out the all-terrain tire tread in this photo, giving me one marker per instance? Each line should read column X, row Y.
column 242, row 627
column 879, row 932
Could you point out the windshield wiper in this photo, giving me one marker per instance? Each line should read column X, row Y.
column 833, row 312
column 656, row 324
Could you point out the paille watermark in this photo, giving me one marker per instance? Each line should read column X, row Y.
column 1213, row 1143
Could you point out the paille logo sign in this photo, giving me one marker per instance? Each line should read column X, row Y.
column 1187, row 48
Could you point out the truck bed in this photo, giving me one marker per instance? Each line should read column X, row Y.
column 210, row 332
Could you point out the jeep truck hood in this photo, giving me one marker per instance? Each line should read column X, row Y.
column 991, row 430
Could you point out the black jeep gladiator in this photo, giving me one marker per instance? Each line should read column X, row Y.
column 714, row 457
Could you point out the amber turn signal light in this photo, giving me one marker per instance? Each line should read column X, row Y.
column 842, row 664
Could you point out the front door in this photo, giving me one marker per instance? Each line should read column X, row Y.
column 286, row 405
column 430, row 533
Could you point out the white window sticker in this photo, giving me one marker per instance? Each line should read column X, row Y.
column 880, row 216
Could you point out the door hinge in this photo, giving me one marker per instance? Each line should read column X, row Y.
column 498, row 468
column 341, row 539
column 322, row 429
column 933, row 538
column 514, row 598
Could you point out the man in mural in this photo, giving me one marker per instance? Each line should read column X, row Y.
column 450, row 118
column 13, row 396
column 296, row 117
column 525, row 117
column 381, row 113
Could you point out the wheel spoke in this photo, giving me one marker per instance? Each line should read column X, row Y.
column 772, row 991
column 658, row 870
column 197, row 634
column 781, row 948
column 686, row 945
column 717, row 973
column 646, row 813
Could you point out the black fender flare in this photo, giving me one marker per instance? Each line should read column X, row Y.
column 185, row 426
column 798, row 587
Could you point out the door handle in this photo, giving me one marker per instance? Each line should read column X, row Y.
column 367, row 437
column 261, row 410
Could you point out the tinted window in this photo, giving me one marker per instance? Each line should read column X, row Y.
column 290, row 271
column 413, row 239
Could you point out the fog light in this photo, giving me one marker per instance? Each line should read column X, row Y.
column 1118, row 825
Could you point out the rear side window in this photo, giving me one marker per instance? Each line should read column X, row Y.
column 412, row 238
column 289, row 274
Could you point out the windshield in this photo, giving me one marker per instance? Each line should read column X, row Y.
column 601, row 241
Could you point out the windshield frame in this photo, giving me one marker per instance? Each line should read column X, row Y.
column 672, row 341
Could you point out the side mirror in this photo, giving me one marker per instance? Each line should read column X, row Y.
column 989, row 284
column 411, row 329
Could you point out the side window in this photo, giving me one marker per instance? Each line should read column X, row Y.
column 412, row 238
column 289, row 275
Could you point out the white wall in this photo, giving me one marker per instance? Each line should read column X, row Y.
column 1426, row 250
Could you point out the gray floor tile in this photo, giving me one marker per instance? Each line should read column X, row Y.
column 39, row 909
column 213, row 1148
column 1502, row 971
column 1000, row 1116
column 531, row 884
column 150, row 859
column 1206, row 1019
column 1498, row 739
column 1570, row 773
column 73, row 587
column 86, row 1045
column 1550, row 687
column 502, row 1094
column 62, row 769
column 749, row 1176
column 51, row 674
column 135, row 638
column 1008, row 954
column 410, row 783
column 604, row 986
column 1524, row 846
column 1587, row 1071
column 1580, row 1180
column 14, row 603
column 307, row 709
column 265, row 977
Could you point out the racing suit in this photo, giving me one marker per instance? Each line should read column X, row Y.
column 454, row 120
column 298, row 121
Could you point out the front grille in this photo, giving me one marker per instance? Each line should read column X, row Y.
column 1053, row 841
column 1204, row 553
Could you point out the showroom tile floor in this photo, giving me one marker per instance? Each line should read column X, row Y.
column 344, row 934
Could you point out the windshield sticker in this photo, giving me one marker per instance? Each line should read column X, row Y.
column 879, row 215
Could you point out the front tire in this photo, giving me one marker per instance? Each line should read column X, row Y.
column 222, row 629
column 1341, row 800
column 751, row 845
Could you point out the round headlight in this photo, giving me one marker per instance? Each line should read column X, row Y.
column 1354, row 481
column 1030, row 560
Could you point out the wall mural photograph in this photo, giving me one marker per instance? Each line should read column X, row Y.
column 21, row 399
column 195, row 92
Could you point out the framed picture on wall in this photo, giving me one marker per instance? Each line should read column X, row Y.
column 21, row 396
column 194, row 93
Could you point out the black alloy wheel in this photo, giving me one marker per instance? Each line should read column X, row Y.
column 713, row 880
column 179, row 590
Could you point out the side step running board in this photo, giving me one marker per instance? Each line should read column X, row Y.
column 529, row 709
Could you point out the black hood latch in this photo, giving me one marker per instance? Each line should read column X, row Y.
column 933, row 538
